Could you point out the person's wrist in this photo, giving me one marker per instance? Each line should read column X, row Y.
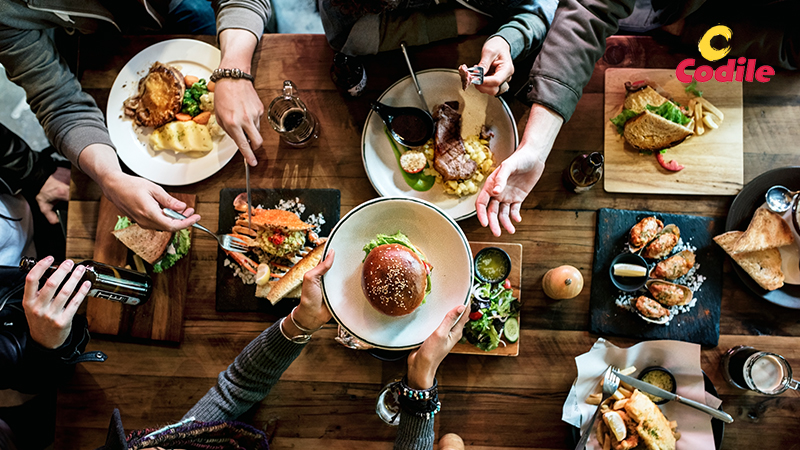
column 419, row 378
column 307, row 319
column 499, row 42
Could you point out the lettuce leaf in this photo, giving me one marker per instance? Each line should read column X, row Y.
column 181, row 241
column 691, row 88
column 669, row 111
column 122, row 223
column 624, row 116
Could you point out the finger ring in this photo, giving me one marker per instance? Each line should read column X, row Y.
column 503, row 89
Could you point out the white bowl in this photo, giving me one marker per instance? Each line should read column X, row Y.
column 430, row 229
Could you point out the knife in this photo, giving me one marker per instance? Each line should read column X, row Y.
column 658, row 392
column 249, row 200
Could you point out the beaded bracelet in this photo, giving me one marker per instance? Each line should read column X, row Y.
column 421, row 403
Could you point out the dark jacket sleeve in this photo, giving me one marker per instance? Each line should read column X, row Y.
column 22, row 170
column 575, row 42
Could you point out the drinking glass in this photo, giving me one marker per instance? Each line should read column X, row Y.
column 387, row 405
column 289, row 116
column 764, row 372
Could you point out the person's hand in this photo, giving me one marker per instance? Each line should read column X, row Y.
column 506, row 188
column 312, row 313
column 501, row 197
column 55, row 189
column 424, row 361
column 49, row 313
column 498, row 67
column 239, row 110
column 469, row 22
column 143, row 200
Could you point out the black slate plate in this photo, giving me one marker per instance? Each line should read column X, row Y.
column 701, row 324
column 742, row 209
column 717, row 426
column 232, row 294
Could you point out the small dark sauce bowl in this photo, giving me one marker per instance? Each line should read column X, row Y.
column 628, row 284
column 647, row 370
column 502, row 255
column 422, row 120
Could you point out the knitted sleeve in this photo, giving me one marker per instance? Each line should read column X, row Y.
column 414, row 433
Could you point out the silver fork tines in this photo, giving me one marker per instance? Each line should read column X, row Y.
column 610, row 385
column 477, row 74
column 228, row 242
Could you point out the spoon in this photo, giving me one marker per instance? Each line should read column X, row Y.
column 414, row 76
column 779, row 199
column 411, row 127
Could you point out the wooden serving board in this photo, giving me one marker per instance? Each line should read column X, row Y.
column 161, row 318
column 515, row 252
column 713, row 163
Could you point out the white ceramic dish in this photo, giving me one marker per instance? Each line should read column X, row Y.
column 433, row 232
column 165, row 167
column 439, row 86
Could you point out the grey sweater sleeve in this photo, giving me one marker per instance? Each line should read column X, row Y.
column 249, row 378
column 255, row 16
column 70, row 117
column 414, row 433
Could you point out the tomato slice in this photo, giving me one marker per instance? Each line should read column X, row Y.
column 672, row 166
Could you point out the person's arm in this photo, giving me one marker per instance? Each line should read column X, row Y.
column 259, row 366
column 414, row 432
column 240, row 24
column 22, row 170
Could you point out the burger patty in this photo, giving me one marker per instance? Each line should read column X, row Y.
column 159, row 97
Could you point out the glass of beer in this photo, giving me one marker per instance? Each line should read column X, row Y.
column 764, row 372
column 288, row 115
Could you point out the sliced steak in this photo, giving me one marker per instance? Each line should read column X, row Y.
column 450, row 156
column 159, row 97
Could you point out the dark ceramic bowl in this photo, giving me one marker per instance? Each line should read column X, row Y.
column 647, row 370
column 628, row 284
column 502, row 255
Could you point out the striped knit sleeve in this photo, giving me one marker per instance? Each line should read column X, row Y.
column 414, row 433
column 249, row 378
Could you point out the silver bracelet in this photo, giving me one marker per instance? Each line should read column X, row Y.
column 299, row 339
column 294, row 322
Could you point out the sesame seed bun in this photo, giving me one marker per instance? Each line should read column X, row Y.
column 394, row 279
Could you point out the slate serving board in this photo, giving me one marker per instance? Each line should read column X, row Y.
column 701, row 324
column 232, row 294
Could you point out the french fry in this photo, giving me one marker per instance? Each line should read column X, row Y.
column 594, row 399
column 626, row 393
column 619, row 404
column 673, row 424
column 628, row 370
column 618, row 395
column 713, row 109
column 626, row 386
column 698, row 124
column 607, row 443
column 708, row 119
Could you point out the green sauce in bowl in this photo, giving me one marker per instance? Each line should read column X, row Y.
column 492, row 265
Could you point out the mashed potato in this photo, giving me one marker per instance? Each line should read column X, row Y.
column 478, row 151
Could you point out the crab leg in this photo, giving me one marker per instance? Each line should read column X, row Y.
column 247, row 263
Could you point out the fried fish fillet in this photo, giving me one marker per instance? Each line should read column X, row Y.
column 653, row 428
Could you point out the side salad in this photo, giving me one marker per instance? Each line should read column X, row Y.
column 494, row 316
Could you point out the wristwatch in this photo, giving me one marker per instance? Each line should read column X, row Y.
column 230, row 73
column 299, row 339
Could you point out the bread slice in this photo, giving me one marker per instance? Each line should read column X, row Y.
column 650, row 131
column 653, row 428
column 148, row 244
column 294, row 277
column 763, row 266
column 638, row 101
column 766, row 230
column 262, row 291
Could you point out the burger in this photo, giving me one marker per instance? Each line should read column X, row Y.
column 395, row 277
column 162, row 249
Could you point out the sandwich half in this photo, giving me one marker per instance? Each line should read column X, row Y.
column 650, row 121
column 162, row 249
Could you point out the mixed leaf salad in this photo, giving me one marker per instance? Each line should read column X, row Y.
column 494, row 317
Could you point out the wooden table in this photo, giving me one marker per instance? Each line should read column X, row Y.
column 326, row 398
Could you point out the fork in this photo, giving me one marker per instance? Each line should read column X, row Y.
column 227, row 242
column 476, row 73
column 610, row 385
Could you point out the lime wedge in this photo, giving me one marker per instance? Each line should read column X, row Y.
column 629, row 270
column 511, row 330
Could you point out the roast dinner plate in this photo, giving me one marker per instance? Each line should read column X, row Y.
column 438, row 86
column 742, row 209
column 166, row 167
column 431, row 230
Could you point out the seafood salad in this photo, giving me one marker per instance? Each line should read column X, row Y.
column 278, row 239
column 672, row 272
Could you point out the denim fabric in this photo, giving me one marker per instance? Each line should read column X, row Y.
column 192, row 17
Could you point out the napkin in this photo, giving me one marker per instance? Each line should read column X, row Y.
column 681, row 358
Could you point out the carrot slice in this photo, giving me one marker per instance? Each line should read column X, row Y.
column 190, row 80
column 202, row 118
column 210, row 86
column 183, row 117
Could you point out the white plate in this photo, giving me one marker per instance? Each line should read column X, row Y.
column 165, row 167
column 430, row 229
column 438, row 86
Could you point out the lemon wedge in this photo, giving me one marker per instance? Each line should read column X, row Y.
column 615, row 423
column 629, row 270
column 262, row 275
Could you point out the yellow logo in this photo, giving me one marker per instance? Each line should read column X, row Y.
column 710, row 53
